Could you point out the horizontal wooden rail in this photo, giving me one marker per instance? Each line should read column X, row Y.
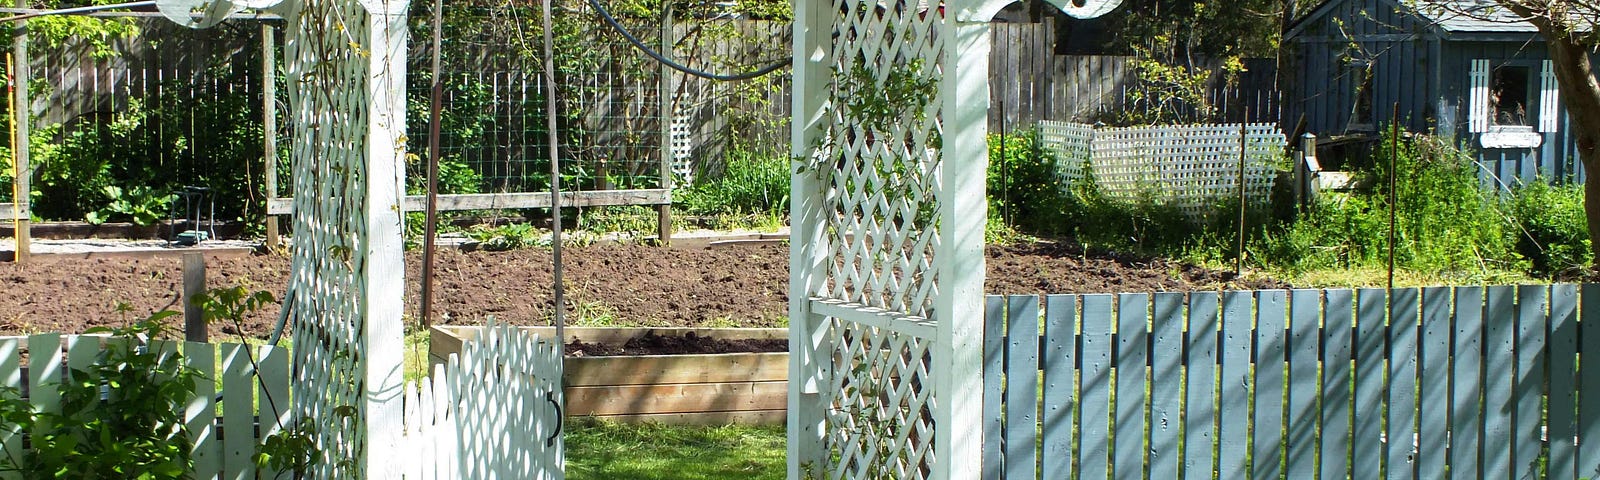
column 492, row 201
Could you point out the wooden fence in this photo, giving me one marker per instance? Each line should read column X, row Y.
column 1446, row 382
column 224, row 445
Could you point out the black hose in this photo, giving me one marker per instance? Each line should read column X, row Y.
column 652, row 53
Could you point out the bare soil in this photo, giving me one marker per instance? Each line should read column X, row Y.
column 608, row 284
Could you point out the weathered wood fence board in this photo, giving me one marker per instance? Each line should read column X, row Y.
column 1442, row 382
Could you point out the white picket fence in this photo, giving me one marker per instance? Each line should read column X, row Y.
column 222, row 449
column 495, row 414
column 1192, row 167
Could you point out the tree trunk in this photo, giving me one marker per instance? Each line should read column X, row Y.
column 1580, row 94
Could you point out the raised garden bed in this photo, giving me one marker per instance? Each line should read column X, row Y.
column 621, row 374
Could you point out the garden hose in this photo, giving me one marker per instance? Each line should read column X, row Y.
column 652, row 53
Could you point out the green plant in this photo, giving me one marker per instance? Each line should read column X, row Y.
column 120, row 418
column 506, row 237
column 1551, row 230
column 293, row 449
column 750, row 184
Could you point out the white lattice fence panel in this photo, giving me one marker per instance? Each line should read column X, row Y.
column 490, row 412
column 1191, row 167
column 1070, row 143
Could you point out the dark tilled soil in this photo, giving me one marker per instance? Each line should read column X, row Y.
column 743, row 285
column 689, row 343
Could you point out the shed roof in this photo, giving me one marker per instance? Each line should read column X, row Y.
column 1445, row 16
column 1472, row 16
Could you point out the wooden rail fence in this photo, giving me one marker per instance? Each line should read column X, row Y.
column 1446, row 382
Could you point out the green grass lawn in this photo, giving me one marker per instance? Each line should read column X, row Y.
column 605, row 451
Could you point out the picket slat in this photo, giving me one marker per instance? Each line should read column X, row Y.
column 1528, row 389
column 1433, row 405
column 1233, row 402
column 200, row 414
column 1589, row 371
column 238, row 419
column 1200, row 387
column 1466, row 385
column 1499, row 325
column 45, row 361
column 1060, row 372
column 1166, row 375
column 1133, row 316
column 1305, row 307
column 1022, row 386
column 1367, row 445
column 11, row 379
column 993, row 366
column 273, row 395
column 1269, row 386
column 1338, row 348
column 1563, row 372
column 1400, row 455
column 1096, row 378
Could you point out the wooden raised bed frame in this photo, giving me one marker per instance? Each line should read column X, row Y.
column 703, row 389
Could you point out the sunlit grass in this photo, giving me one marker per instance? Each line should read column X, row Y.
column 605, row 450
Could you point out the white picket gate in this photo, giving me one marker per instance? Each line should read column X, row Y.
column 493, row 411
column 220, row 450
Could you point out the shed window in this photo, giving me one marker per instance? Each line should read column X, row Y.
column 1361, row 118
column 1508, row 96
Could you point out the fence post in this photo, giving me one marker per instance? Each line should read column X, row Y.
column 269, row 123
column 21, row 121
column 194, row 283
column 1305, row 169
column 664, row 91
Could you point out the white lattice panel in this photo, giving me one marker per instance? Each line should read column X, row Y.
column 345, row 67
column 1191, row 167
column 880, row 419
column 493, row 411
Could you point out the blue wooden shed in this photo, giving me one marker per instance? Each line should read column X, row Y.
column 1465, row 69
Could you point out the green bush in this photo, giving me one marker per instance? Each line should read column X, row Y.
column 1551, row 231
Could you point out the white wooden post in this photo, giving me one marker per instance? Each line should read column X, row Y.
column 384, row 298
column 958, row 309
column 807, row 452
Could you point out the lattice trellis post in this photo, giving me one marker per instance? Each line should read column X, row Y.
column 346, row 70
column 887, row 220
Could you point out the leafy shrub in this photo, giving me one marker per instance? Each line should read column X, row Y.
column 120, row 418
column 1551, row 231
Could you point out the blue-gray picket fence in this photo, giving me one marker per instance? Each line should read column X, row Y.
column 1443, row 382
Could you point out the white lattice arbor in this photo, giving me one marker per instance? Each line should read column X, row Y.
column 887, row 217
column 346, row 76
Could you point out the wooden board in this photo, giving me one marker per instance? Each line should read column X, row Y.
column 492, row 201
column 747, row 417
column 673, row 369
column 446, row 339
column 677, row 398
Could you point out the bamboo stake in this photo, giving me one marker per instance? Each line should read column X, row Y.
column 1238, row 261
column 1394, row 165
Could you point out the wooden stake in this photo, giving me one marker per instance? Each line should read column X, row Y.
column 555, row 182
column 1238, row 261
column 194, row 284
column 432, row 221
column 1394, row 165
